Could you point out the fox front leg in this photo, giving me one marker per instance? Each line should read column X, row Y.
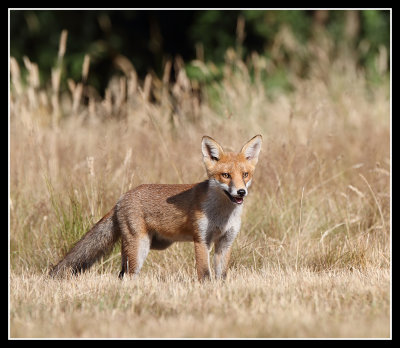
column 222, row 254
column 202, row 254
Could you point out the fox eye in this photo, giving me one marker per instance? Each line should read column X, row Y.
column 245, row 175
column 226, row 175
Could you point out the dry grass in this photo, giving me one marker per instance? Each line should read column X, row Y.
column 263, row 303
column 313, row 256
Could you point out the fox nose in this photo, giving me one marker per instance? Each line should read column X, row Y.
column 241, row 192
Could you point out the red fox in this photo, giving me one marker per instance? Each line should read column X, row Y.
column 153, row 216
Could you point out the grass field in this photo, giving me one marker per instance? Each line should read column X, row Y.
column 266, row 302
column 313, row 255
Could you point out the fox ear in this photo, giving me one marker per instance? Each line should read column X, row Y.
column 252, row 148
column 211, row 149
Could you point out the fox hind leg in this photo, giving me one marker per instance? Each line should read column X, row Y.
column 134, row 250
column 124, row 261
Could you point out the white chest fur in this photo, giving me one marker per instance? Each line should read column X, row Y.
column 221, row 217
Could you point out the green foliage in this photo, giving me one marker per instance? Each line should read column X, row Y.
column 266, row 24
column 376, row 38
column 375, row 27
column 149, row 38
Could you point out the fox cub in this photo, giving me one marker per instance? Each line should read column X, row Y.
column 153, row 216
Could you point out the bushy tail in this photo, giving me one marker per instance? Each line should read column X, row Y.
column 97, row 242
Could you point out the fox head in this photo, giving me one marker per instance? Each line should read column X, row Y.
column 229, row 171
